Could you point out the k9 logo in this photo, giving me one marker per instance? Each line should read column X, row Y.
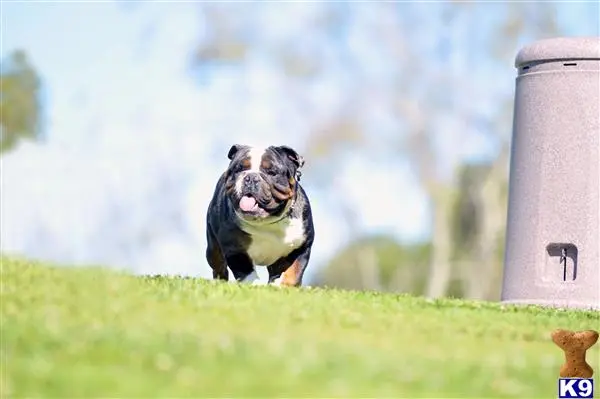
column 575, row 388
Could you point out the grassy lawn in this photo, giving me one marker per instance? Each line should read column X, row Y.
column 75, row 332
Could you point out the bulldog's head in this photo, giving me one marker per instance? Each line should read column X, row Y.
column 261, row 182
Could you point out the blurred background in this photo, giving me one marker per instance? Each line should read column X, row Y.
column 117, row 117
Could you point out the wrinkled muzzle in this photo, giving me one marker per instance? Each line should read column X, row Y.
column 282, row 192
column 255, row 194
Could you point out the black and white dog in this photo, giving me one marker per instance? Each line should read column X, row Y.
column 259, row 215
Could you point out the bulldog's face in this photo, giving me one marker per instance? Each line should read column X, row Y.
column 261, row 182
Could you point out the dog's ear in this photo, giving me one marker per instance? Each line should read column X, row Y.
column 234, row 149
column 292, row 155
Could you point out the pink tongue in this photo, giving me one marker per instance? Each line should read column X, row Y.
column 247, row 203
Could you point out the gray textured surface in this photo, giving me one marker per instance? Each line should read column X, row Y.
column 554, row 176
column 571, row 48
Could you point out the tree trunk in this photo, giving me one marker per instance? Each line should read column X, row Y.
column 369, row 270
column 484, row 272
column 441, row 263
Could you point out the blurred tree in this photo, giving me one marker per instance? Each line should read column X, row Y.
column 521, row 23
column 478, row 238
column 380, row 263
column 20, row 109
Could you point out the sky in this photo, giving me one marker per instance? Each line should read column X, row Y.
column 134, row 145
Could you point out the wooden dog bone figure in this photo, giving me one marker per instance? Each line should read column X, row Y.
column 575, row 344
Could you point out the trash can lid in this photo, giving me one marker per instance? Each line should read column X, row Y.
column 560, row 48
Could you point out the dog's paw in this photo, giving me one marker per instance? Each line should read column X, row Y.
column 277, row 282
column 252, row 279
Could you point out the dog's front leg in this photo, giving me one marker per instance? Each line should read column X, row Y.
column 242, row 268
column 215, row 259
column 289, row 271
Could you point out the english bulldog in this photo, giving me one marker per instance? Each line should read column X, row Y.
column 260, row 215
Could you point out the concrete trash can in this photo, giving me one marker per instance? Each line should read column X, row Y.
column 552, row 254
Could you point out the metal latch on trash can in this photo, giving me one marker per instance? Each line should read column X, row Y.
column 563, row 261
column 566, row 255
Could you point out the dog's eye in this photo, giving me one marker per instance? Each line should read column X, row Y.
column 238, row 169
column 271, row 172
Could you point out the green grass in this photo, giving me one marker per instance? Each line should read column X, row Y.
column 81, row 332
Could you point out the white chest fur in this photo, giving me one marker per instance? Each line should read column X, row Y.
column 273, row 241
